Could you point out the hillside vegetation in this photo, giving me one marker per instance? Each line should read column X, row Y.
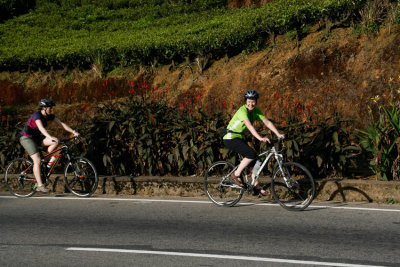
column 60, row 34
column 150, row 83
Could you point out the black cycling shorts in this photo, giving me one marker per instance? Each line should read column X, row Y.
column 240, row 146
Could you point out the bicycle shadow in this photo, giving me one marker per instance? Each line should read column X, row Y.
column 333, row 190
column 337, row 195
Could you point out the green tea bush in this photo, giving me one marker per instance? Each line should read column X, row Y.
column 11, row 8
column 87, row 34
column 162, row 6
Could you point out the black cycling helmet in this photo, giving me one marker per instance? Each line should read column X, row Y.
column 251, row 94
column 45, row 102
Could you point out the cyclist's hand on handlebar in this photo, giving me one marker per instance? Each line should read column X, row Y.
column 265, row 139
column 281, row 136
column 76, row 134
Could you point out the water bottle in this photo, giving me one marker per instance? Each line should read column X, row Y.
column 257, row 166
column 51, row 161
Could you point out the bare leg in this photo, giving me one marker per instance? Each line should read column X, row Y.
column 52, row 143
column 36, row 168
column 243, row 164
column 256, row 184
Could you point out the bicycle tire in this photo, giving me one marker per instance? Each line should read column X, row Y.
column 85, row 182
column 220, row 188
column 19, row 178
column 299, row 194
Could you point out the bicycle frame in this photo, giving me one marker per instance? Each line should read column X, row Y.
column 278, row 158
column 62, row 150
column 271, row 152
column 47, row 173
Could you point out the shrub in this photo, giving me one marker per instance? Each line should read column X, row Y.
column 146, row 136
column 325, row 147
column 142, row 136
column 10, row 147
column 381, row 140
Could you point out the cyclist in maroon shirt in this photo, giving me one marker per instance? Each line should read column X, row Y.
column 35, row 135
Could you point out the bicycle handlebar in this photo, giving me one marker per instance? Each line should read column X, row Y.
column 63, row 141
column 276, row 140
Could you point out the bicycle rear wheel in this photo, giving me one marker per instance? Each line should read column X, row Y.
column 19, row 178
column 297, row 191
column 81, row 177
column 220, row 188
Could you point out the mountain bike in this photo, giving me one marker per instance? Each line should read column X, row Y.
column 80, row 175
column 292, row 185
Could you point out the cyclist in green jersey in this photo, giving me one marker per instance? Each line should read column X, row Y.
column 235, row 139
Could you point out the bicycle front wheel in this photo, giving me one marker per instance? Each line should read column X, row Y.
column 19, row 178
column 220, row 188
column 293, row 187
column 81, row 177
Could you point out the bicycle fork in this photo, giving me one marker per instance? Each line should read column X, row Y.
column 285, row 174
column 75, row 167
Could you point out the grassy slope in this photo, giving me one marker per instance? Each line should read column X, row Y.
column 58, row 38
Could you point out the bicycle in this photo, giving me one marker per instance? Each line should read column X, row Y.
column 292, row 185
column 80, row 175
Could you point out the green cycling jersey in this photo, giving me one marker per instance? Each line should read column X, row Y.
column 237, row 125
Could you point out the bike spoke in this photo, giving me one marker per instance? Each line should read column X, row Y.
column 19, row 178
column 81, row 177
column 220, row 187
column 293, row 188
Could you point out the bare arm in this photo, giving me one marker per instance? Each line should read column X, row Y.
column 42, row 129
column 254, row 132
column 65, row 127
column 272, row 127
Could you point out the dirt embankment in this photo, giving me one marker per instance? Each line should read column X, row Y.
column 339, row 72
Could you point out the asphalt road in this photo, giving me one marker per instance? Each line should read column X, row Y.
column 62, row 231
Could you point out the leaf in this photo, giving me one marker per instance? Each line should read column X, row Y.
column 289, row 153
column 170, row 158
column 319, row 161
column 288, row 144
column 335, row 138
column 110, row 125
column 176, row 153
column 185, row 152
column 296, row 147
column 225, row 152
column 180, row 164
column 122, row 166
column 106, row 159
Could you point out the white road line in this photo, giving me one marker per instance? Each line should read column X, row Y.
column 216, row 256
column 200, row 202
